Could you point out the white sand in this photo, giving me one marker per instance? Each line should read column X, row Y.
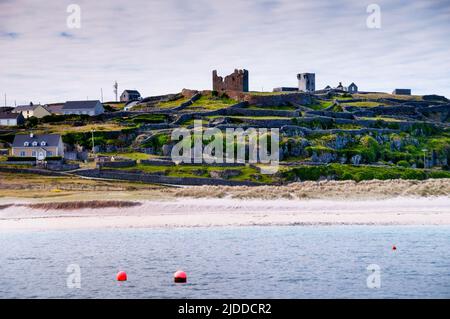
column 233, row 212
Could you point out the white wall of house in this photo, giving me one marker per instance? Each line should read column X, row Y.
column 8, row 122
column 92, row 112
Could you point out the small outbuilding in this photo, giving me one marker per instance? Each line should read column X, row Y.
column 130, row 95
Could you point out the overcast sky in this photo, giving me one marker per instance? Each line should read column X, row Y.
column 162, row 46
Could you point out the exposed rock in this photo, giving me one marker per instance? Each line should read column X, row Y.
column 225, row 174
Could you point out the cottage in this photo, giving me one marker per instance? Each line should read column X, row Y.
column 352, row 88
column 38, row 146
column 11, row 119
column 31, row 110
column 91, row 108
column 130, row 95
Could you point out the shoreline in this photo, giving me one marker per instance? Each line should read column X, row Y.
column 226, row 212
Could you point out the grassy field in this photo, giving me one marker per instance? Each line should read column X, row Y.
column 171, row 104
column 137, row 156
column 363, row 104
column 211, row 103
column 246, row 173
column 375, row 96
column 64, row 128
column 321, row 104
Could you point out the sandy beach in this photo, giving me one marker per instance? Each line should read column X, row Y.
column 191, row 212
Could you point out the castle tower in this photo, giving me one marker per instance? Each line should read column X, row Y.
column 306, row 82
column 236, row 81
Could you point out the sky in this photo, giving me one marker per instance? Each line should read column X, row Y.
column 163, row 46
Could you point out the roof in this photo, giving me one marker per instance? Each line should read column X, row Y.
column 22, row 108
column 77, row 105
column 353, row 84
column 132, row 92
column 8, row 115
column 54, row 108
column 49, row 139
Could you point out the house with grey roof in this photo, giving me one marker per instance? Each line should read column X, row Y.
column 352, row 88
column 130, row 95
column 55, row 108
column 38, row 146
column 92, row 108
column 11, row 119
column 31, row 110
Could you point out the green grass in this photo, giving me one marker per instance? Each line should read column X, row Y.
column 171, row 104
column 359, row 173
column 203, row 171
column 131, row 155
column 364, row 104
column 211, row 103
column 321, row 104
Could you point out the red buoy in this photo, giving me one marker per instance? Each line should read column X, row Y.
column 180, row 277
column 394, row 248
column 121, row 276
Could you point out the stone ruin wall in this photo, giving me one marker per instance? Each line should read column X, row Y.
column 236, row 81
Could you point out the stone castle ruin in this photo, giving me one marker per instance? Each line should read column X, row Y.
column 306, row 82
column 236, row 81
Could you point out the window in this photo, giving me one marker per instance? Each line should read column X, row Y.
column 49, row 154
column 26, row 144
column 43, row 143
column 33, row 153
column 35, row 144
column 22, row 153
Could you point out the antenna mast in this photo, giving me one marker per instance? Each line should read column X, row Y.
column 116, row 89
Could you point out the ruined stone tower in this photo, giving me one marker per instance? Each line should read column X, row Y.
column 236, row 81
column 306, row 82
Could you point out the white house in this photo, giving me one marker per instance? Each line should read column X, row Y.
column 38, row 146
column 11, row 119
column 91, row 108
column 31, row 110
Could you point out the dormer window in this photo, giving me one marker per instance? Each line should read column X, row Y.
column 26, row 144
column 43, row 143
column 35, row 143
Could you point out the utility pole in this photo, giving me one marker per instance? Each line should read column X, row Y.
column 101, row 93
column 116, row 89
column 5, row 99
column 93, row 143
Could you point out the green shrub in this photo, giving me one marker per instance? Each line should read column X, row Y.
column 403, row 163
column 20, row 159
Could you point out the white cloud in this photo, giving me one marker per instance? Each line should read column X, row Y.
column 161, row 46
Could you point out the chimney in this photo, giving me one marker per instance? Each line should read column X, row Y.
column 31, row 135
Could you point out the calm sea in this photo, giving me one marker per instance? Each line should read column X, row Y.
column 247, row 262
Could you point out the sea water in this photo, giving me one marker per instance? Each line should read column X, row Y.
column 239, row 262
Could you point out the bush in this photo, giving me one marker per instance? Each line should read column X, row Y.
column 403, row 163
column 360, row 173
column 20, row 159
